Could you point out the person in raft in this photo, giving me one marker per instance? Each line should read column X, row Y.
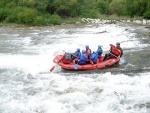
column 94, row 58
column 99, row 51
column 76, row 54
column 88, row 51
column 67, row 59
column 83, row 58
column 114, row 52
column 118, row 46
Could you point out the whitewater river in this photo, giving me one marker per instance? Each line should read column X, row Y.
column 27, row 86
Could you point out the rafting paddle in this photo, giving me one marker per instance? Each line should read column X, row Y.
column 76, row 65
column 52, row 68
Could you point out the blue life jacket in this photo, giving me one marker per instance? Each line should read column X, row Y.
column 99, row 52
column 94, row 57
column 83, row 59
column 76, row 54
column 79, row 54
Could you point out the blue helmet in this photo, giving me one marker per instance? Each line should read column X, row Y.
column 117, row 43
column 99, row 46
column 87, row 46
column 83, row 51
column 78, row 49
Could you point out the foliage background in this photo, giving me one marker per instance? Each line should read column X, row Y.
column 47, row 12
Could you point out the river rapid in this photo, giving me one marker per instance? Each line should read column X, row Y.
column 27, row 86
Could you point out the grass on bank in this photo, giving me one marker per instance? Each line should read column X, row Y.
column 25, row 16
column 47, row 20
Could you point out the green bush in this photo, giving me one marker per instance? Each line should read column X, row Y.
column 44, row 12
column 26, row 3
column 4, row 13
column 27, row 16
column 102, row 6
column 89, row 13
column 39, row 20
column 54, row 19
column 13, row 17
column 3, row 2
column 117, row 7
column 11, row 4
column 22, row 15
column 47, row 19
column 147, row 14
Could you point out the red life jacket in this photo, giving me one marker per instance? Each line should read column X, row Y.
column 115, row 51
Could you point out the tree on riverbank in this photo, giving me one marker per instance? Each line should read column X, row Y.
column 46, row 12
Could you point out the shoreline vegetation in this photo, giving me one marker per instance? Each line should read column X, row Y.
column 57, row 12
column 87, row 21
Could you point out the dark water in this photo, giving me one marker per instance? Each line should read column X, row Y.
column 139, row 57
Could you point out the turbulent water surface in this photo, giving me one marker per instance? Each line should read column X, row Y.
column 27, row 86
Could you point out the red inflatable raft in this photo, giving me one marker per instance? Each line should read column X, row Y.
column 101, row 64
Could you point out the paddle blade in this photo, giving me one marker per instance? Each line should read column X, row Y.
column 52, row 68
column 76, row 66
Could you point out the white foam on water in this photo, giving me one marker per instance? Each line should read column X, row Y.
column 106, row 93
column 30, row 88
column 112, row 35
column 27, row 63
